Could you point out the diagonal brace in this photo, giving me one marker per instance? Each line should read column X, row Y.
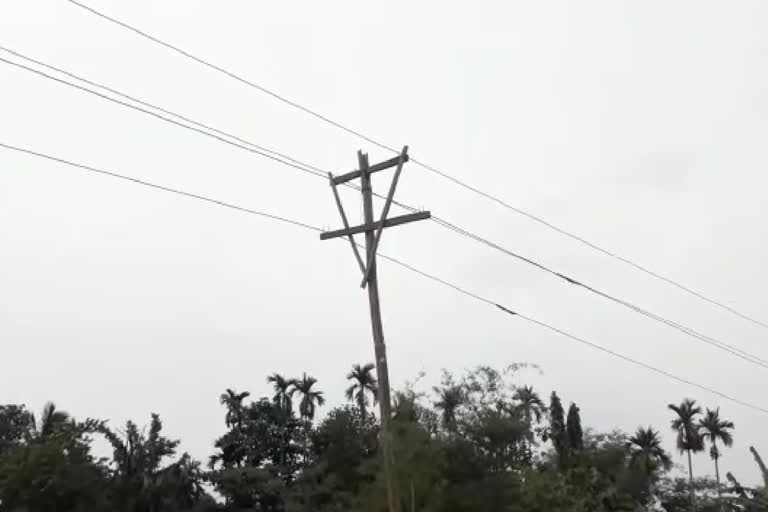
column 346, row 224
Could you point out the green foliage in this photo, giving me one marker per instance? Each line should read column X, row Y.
column 557, row 431
column 477, row 442
column 363, row 384
column 529, row 404
column 47, row 464
column 449, row 400
column 712, row 428
column 686, row 427
column 267, row 436
column 310, row 398
column 58, row 474
column 15, row 425
column 283, row 397
column 143, row 479
column 646, row 452
column 233, row 401
column 573, row 429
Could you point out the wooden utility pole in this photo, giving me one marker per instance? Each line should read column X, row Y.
column 373, row 230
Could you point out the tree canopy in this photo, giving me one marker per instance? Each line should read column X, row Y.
column 479, row 441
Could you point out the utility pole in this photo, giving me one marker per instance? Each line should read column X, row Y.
column 373, row 230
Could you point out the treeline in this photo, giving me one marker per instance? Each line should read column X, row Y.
column 477, row 442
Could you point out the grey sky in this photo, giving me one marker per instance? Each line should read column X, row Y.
column 639, row 125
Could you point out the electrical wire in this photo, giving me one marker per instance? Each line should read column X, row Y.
column 320, row 172
column 426, row 166
column 317, row 172
column 197, row 126
column 160, row 187
column 731, row 349
column 164, row 118
column 396, row 261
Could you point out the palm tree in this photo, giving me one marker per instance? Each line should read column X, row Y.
column 531, row 408
column 363, row 383
column 713, row 428
column 50, row 421
column 646, row 452
column 688, row 435
column 310, row 399
column 234, row 403
column 283, row 392
column 530, row 405
column 449, row 400
column 283, row 400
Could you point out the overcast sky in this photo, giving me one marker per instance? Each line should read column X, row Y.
column 642, row 126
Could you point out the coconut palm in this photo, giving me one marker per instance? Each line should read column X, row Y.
column 449, row 400
column 688, row 436
column 310, row 399
column 363, row 383
column 646, row 452
column 234, row 403
column 50, row 421
column 283, row 392
column 714, row 429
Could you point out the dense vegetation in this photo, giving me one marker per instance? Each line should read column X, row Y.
column 478, row 442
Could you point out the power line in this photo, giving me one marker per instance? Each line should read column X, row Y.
column 740, row 353
column 258, row 149
column 424, row 165
column 197, row 126
column 164, row 118
column 637, row 362
column 231, row 75
column 315, row 171
column 731, row 349
column 570, row 336
column 396, row 261
column 159, row 187
column 320, row 172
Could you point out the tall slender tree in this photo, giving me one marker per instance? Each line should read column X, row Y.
column 363, row 383
column 688, row 435
column 573, row 429
column 310, row 398
column 529, row 404
column 283, row 400
column 714, row 429
column 233, row 401
column 283, row 391
column 449, row 399
column 557, row 427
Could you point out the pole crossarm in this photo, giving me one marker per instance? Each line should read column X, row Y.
column 388, row 223
column 343, row 178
